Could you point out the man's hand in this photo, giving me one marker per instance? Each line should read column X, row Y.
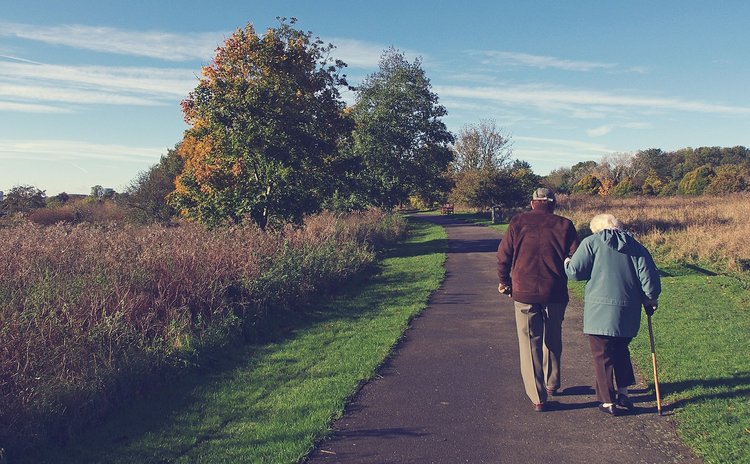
column 503, row 289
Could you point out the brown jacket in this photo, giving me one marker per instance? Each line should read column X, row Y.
column 531, row 255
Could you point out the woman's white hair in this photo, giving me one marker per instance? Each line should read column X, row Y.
column 604, row 221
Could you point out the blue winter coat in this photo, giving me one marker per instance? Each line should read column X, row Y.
column 621, row 276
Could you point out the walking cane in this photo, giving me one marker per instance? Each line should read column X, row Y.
column 653, row 359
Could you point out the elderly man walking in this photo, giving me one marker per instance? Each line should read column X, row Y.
column 530, row 269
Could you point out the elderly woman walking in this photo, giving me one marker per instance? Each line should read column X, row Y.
column 622, row 277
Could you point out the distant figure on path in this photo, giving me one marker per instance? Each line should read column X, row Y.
column 530, row 268
column 622, row 277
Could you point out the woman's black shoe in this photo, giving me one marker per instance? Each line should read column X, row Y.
column 624, row 401
column 611, row 409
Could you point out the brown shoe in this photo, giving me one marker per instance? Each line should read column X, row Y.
column 540, row 407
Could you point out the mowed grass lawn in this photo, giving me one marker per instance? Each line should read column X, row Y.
column 270, row 403
column 702, row 336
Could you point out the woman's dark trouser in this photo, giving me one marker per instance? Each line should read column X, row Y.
column 611, row 360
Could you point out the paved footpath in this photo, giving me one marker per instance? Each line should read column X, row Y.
column 452, row 391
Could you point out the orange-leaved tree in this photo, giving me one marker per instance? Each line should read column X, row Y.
column 266, row 122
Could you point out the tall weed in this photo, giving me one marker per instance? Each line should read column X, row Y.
column 88, row 314
column 702, row 229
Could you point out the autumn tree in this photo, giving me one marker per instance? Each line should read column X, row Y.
column 652, row 184
column 589, row 184
column 399, row 135
column 266, row 119
column 728, row 178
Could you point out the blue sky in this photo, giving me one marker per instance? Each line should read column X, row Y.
column 90, row 90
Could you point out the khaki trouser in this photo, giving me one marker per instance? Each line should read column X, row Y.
column 539, row 328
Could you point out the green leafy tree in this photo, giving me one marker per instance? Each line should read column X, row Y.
column 735, row 155
column 399, row 134
column 484, row 188
column 696, row 181
column 669, row 189
column 146, row 196
column 581, row 169
column 23, row 199
column 559, row 180
column 97, row 192
column 623, row 188
column 58, row 200
column 266, row 123
column 523, row 182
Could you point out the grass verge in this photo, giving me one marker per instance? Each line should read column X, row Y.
column 702, row 346
column 270, row 402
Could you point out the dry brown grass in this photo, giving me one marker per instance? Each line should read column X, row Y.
column 705, row 229
column 86, row 312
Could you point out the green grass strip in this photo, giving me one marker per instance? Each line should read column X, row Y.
column 703, row 355
column 269, row 403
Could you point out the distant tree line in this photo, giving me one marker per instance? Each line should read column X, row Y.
column 688, row 171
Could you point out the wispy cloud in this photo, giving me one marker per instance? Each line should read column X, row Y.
column 581, row 102
column 27, row 85
column 153, row 44
column 68, row 95
column 30, row 108
column 15, row 58
column 71, row 150
column 357, row 53
column 366, row 55
column 607, row 128
column 157, row 81
column 542, row 62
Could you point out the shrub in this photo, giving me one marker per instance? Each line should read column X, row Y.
column 729, row 178
column 623, row 188
column 669, row 189
column 588, row 184
column 50, row 216
column 652, row 185
column 696, row 181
